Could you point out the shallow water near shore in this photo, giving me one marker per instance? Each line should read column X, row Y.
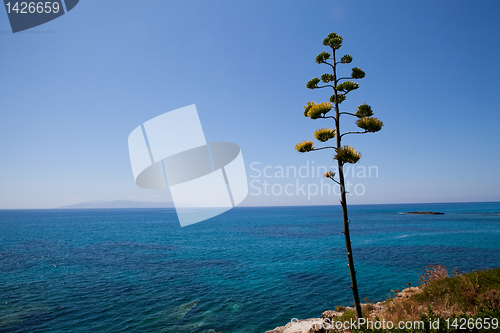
column 247, row 270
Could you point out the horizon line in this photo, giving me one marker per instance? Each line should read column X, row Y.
column 250, row 206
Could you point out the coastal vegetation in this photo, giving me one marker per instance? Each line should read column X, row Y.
column 462, row 302
column 344, row 154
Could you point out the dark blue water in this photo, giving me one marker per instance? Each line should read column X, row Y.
column 248, row 270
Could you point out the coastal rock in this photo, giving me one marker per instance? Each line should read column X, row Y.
column 407, row 293
column 377, row 309
column 299, row 326
column 277, row 330
column 314, row 325
column 331, row 314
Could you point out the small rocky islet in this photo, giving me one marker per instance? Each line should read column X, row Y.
column 424, row 213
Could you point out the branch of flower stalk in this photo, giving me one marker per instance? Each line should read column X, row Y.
column 325, row 86
column 334, row 180
column 344, row 78
column 324, row 62
column 332, row 117
column 324, row 148
column 353, row 133
column 351, row 114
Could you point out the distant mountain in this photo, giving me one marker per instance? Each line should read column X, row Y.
column 119, row 204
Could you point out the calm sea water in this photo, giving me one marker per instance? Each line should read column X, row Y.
column 248, row 270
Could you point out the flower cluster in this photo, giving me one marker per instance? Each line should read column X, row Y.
column 333, row 40
column 347, row 86
column 324, row 134
column 304, row 146
column 313, row 83
column 369, row 124
column 357, row 73
column 364, row 110
column 340, row 98
column 329, row 174
column 314, row 111
column 346, row 59
column 322, row 57
column 347, row 154
column 327, row 78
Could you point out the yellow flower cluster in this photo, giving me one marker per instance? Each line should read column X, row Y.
column 304, row 146
column 369, row 124
column 324, row 134
column 314, row 111
column 329, row 174
column 347, row 154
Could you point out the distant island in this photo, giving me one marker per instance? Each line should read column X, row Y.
column 119, row 204
column 425, row 213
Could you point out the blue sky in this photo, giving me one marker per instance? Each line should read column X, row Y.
column 73, row 89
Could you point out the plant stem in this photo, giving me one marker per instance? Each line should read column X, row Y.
column 343, row 202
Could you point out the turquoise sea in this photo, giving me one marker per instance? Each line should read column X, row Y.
column 247, row 270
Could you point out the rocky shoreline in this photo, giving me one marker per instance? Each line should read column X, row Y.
column 312, row 325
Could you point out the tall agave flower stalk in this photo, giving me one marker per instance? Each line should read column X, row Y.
column 343, row 154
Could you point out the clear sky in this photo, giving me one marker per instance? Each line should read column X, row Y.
column 73, row 89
